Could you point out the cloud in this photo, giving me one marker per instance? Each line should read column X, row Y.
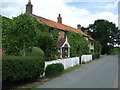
column 11, row 8
column 50, row 9
column 105, row 15
column 109, row 6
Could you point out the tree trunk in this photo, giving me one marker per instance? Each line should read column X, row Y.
column 24, row 49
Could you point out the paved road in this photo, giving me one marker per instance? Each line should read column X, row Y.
column 101, row 73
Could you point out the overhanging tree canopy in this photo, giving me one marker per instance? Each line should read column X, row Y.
column 105, row 32
column 23, row 32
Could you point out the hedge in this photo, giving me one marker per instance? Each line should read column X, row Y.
column 17, row 68
column 54, row 70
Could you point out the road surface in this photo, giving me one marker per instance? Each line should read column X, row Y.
column 101, row 73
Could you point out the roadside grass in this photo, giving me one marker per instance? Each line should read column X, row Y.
column 87, row 62
column 71, row 69
column 31, row 85
column 91, row 61
column 26, row 86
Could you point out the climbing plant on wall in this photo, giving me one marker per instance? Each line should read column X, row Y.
column 78, row 44
column 47, row 41
column 55, row 33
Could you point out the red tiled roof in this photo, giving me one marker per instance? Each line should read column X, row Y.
column 59, row 26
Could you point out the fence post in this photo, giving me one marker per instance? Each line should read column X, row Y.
column 64, row 63
column 80, row 60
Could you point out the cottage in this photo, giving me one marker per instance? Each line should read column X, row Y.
column 62, row 43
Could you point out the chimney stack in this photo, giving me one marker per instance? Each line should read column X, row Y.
column 29, row 7
column 59, row 19
column 79, row 26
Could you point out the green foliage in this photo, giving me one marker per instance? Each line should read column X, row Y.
column 54, row 70
column 83, row 62
column 17, row 68
column 55, row 33
column 97, row 47
column 114, row 51
column 106, row 33
column 7, row 43
column 47, row 42
column 23, row 32
column 18, row 34
column 78, row 44
column 54, row 57
column 35, row 51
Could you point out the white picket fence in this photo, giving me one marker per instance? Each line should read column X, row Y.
column 69, row 62
column 86, row 58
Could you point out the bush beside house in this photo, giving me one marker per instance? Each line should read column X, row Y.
column 54, row 70
column 35, row 51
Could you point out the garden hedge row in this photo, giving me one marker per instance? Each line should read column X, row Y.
column 17, row 68
column 54, row 70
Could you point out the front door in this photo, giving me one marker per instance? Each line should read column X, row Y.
column 64, row 52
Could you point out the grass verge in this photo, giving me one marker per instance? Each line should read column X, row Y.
column 72, row 68
column 26, row 86
column 33, row 85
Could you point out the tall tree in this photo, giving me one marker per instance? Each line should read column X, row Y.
column 24, row 31
column 105, row 32
column 7, row 27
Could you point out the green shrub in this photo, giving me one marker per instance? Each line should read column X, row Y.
column 35, row 51
column 55, row 57
column 114, row 51
column 54, row 70
column 17, row 68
